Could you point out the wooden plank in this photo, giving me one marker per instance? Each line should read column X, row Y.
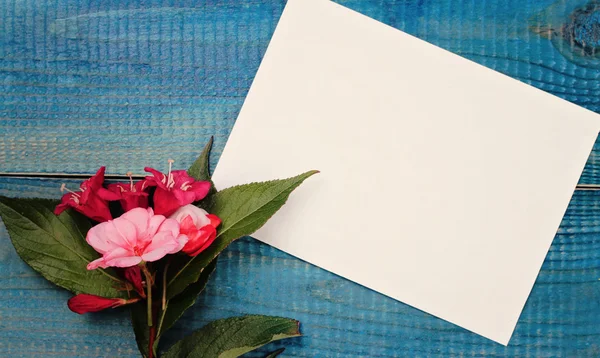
column 86, row 83
column 339, row 318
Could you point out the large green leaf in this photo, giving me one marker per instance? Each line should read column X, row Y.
column 177, row 305
column 232, row 337
column 243, row 210
column 55, row 246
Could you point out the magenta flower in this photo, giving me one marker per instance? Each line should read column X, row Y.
column 136, row 236
column 175, row 189
column 131, row 195
column 91, row 200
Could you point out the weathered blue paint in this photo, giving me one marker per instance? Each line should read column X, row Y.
column 339, row 318
column 574, row 28
column 129, row 83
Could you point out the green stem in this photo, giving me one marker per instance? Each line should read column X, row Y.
column 148, row 293
column 164, row 287
column 161, row 319
column 165, row 302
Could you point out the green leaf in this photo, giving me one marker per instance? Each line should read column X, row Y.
column 55, row 246
column 177, row 305
column 139, row 322
column 232, row 337
column 200, row 171
column 243, row 210
column 200, row 168
column 275, row 353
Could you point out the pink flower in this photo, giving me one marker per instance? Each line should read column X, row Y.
column 175, row 189
column 91, row 200
column 199, row 226
column 84, row 303
column 136, row 236
column 131, row 195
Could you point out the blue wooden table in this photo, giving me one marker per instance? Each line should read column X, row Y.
column 133, row 83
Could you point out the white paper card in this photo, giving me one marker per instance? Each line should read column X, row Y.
column 442, row 182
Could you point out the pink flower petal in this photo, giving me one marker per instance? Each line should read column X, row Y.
column 126, row 261
column 121, row 257
column 187, row 224
column 161, row 239
column 162, row 245
column 199, row 216
column 118, row 252
column 181, row 240
column 120, row 240
column 97, row 263
column 157, row 254
column 154, row 224
column 99, row 239
column 171, row 226
column 139, row 217
column 127, row 231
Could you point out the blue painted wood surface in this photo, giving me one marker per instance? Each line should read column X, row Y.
column 85, row 83
column 339, row 318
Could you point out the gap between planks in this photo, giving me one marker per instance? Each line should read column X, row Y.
column 125, row 177
column 66, row 176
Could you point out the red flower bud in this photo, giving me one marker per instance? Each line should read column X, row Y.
column 84, row 303
column 133, row 274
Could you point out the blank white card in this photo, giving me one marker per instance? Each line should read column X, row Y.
column 442, row 182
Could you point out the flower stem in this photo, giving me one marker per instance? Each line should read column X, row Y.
column 152, row 335
column 164, row 299
column 164, row 287
column 148, row 293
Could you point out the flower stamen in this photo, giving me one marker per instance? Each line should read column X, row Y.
column 63, row 188
column 130, row 175
column 170, row 180
column 185, row 186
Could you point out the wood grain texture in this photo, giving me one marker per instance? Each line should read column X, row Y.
column 128, row 83
column 85, row 83
column 339, row 318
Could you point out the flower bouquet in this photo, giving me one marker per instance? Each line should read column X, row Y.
column 151, row 246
